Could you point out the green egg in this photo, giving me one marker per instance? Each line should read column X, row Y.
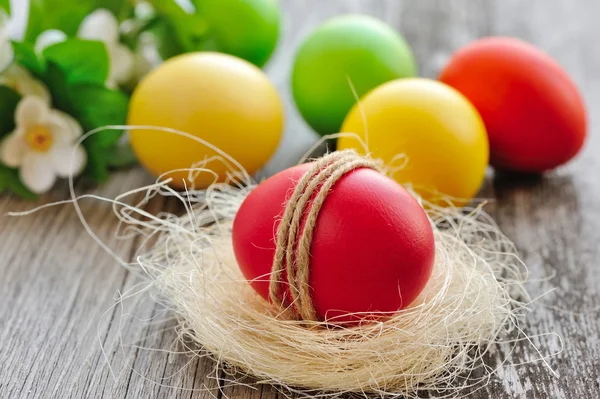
column 248, row 29
column 358, row 48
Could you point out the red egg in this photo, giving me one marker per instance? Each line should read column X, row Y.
column 372, row 249
column 533, row 112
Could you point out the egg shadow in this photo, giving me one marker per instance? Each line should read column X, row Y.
column 506, row 179
column 547, row 190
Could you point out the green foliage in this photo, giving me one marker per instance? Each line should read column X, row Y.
column 108, row 107
column 26, row 56
column 8, row 103
column 75, row 72
column 94, row 106
column 66, row 15
column 5, row 5
column 54, row 78
column 122, row 156
column 85, row 61
column 10, row 182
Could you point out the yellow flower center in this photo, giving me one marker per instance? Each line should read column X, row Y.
column 39, row 138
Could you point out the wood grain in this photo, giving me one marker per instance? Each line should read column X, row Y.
column 58, row 287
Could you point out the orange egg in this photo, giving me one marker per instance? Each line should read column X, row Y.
column 534, row 114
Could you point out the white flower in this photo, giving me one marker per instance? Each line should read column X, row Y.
column 6, row 50
column 20, row 80
column 49, row 37
column 103, row 26
column 43, row 145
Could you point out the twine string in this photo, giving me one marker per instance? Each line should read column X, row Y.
column 296, row 229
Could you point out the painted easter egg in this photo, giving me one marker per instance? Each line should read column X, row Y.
column 248, row 29
column 372, row 250
column 426, row 129
column 534, row 113
column 352, row 48
column 219, row 98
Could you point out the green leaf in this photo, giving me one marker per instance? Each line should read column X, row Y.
column 97, row 106
column 5, row 5
column 65, row 15
column 10, row 182
column 126, row 11
column 100, row 160
column 26, row 56
column 56, row 81
column 8, row 103
column 120, row 156
column 97, row 167
column 83, row 61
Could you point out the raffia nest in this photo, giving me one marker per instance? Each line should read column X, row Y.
column 474, row 300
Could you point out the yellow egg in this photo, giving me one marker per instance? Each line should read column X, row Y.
column 219, row 98
column 427, row 127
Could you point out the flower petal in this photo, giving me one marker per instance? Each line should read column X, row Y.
column 121, row 64
column 100, row 25
column 3, row 19
column 64, row 127
column 30, row 86
column 4, row 24
column 68, row 160
column 13, row 148
column 20, row 80
column 14, row 73
column 37, row 172
column 49, row 37
column 31, row 111
column 6, row 50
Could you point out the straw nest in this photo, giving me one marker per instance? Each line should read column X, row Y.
column 474, row 300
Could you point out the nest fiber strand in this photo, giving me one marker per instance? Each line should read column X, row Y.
column 472, row 301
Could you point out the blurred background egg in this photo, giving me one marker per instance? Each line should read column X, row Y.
column 248, row 29
column 428, row 130
column 219, row 98
column 534, row 113
column 358, row 48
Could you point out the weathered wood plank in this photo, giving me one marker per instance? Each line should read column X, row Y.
column 57, row 284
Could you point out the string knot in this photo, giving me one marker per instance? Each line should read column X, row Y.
column 296, row 229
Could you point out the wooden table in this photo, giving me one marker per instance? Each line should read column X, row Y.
column 58, row 287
